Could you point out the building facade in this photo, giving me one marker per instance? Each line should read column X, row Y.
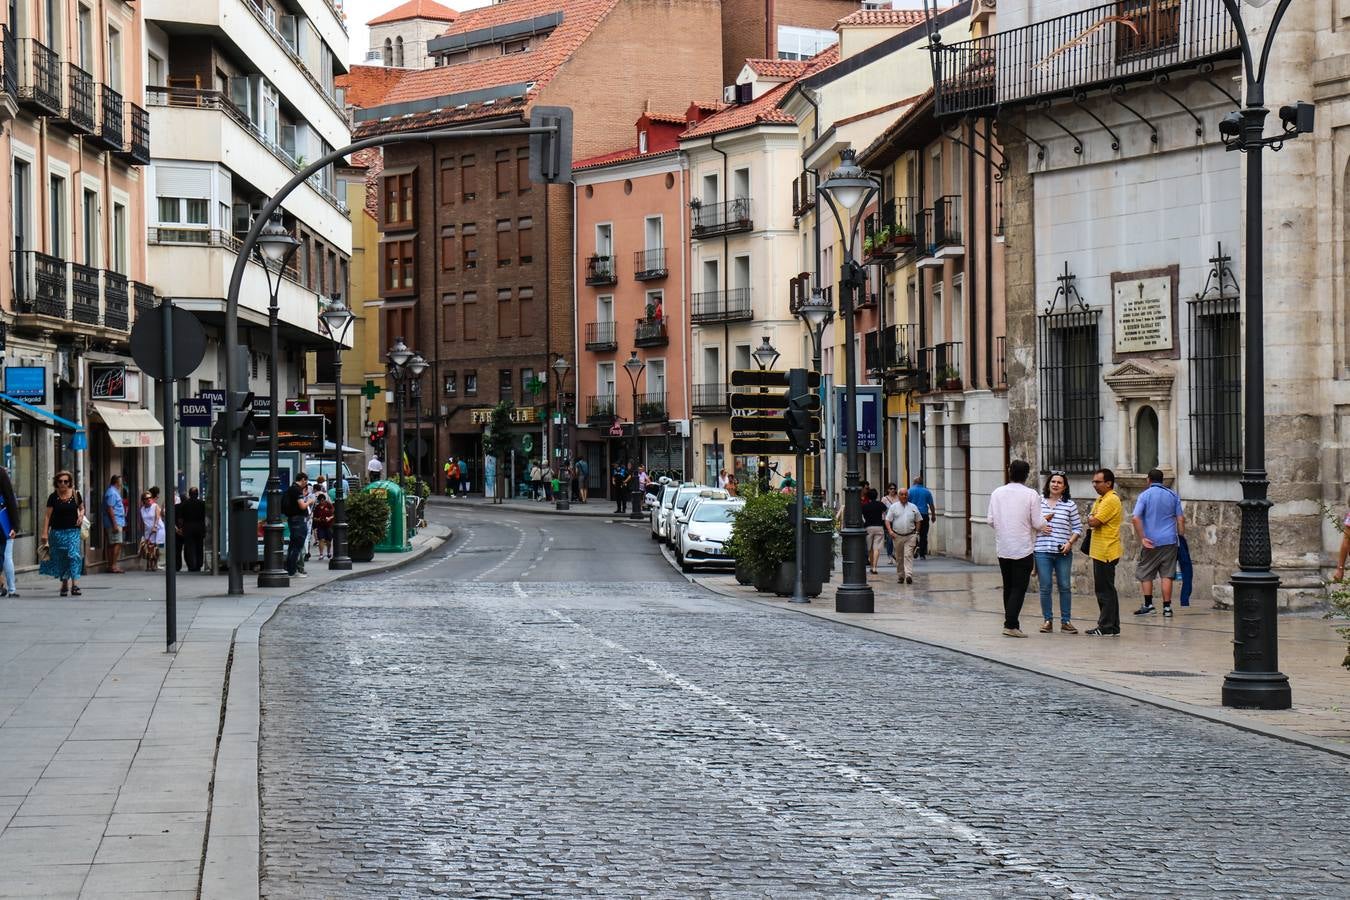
column 399, row 37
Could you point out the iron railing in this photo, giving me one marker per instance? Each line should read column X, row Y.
column 600, row 409
column 112, row 114
column 890, row 232
column 116, row 314
column 872, row 352
column 1094, row 48
column 942, row 363
column 1001, row 362
column 84, row 306
column 650, row 333
column 214, row 237
column 137, row 150
column 41, row 285
column 728, row 217
column 649, row 265
column 652, row 407
column 712, row 399
column 142, row 296
column 40, row 77
column 600, row 337
column 722, row 306
column 81, row 108
column 900, row 349
column 803, row 195
column 947, row 221
column 10, row 73
column 1070, row 375
column 1215, row 365
column 600, row 270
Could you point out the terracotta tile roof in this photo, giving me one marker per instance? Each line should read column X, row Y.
column 416, row 9
column 778, row 68
column 763, row 110
column 619, row 156
column 873, row 18
column 509, row 11
column 367, row 85
column 667, row 118
column 441, row 117
column 372, row 160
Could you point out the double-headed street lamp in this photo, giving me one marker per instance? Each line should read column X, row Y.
column 337, row 318
column 274, row 250
column 847, row 191
column 816, row 312
column 634, row 367
column 562, row 499
column 765, row 356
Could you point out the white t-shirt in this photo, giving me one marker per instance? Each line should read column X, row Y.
column 904, row 517
column 375, row 465
column 1015, row 516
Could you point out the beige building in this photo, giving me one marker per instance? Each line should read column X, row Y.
column 399, row 37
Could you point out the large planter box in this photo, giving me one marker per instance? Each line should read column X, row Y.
column 743, row 573
column 361, row 554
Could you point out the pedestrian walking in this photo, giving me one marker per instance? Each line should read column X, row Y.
column 114, row 522
column 1104, row 549
column 888, row 498
column 324, row 513
column 902, row 524
column 1054, row 552
column 922, row 497
column 452, row 477
column 9, row 512
column 583, row 478
column 374, row 469
column 536, row 481
column 59, row 549
column 722, row 478
column 152, row 529
column 192, row 529
column 1015, row 516
column 1159, row 521
column 295, row 505
column 874, row 520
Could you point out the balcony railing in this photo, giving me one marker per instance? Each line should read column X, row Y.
column 947, row 221
column 115, row 312
column 650, row 333
column 712, row 400
column 890, row 232
column 142, row 296
column 649, row 265
column 600, row 409
column 81, row 108
column 111, row 115
column 1115, row 43
column 1001, row 361
column 729, row 217
column 722, row 306
column 600, row 271
column 212, row 237
column 39, row 77
column 266, row 20
column 10, row 74
column 942, row 363
column 900, row 349
column 803, row 195
column 84, row 294
column 600, row 337
column 40, row 284
column 652, row 407
column 137, row 150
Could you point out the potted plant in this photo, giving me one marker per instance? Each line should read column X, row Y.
column 903, row 235
column 367, row 522
column 763, row 541
column 949, row 378
column 867, row 244
column 884, row 236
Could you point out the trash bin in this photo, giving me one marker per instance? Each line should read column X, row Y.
column 244, row 530
column 396, row 534
column 819, row 548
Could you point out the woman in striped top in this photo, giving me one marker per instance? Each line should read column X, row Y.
column 1054, row 551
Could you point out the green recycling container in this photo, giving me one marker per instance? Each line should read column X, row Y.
column 396, row 534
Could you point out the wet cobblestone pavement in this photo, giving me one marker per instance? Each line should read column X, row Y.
column 429, row 735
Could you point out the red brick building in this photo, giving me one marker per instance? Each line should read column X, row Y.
column 778, row 29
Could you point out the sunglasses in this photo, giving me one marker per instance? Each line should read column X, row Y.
column 63, row 481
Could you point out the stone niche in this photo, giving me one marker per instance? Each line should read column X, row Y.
column 1146, row 429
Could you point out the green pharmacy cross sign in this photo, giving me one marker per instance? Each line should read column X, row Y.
column 370, row 391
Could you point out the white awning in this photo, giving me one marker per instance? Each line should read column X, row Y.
column 134, row 427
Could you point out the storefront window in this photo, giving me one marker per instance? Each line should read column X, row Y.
column 23, row 472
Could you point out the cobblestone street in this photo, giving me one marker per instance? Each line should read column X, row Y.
column 546, row 708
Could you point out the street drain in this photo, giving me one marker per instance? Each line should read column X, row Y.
column 1161, row 673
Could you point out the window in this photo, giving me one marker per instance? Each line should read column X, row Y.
column 505, row 388
column 526, row 380
column 114, row 67
column 399, row 210
column 119, row 238
column 525, row 240
column 468, row 173
column 398, row 51
column 388, row 53
column 450, row 315
column 604, row 240
column 523, row 183
column 740, row 184
column 183, row 211
column 90, row 227
column 525, row 300
column 470, row 318
column 450, row 387
column 449, row 254
column 470, row 383
column 504, row 167
column 399, row 267
column 505, row 314
column 505, row 242
column 803, row 43
column 22, row 202
column 57, row 215
column 469, row 241
column 1070, row 403
column 1216, row 385
column 84, row 24
column 642, row 142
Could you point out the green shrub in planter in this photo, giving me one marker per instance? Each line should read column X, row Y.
column 761, row 536
column 367, row 521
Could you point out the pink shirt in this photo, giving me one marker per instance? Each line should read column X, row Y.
column 1015, row 516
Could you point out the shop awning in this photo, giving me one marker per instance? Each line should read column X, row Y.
column 38, row 415
column 133, row 427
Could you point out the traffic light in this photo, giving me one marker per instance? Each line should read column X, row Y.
column 802, row 424
column 760, row 420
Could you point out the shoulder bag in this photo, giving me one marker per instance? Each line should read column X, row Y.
column 1087, row 534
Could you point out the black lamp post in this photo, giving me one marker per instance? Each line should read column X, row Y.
column 634, row 367
column 273, row 251
column 337, row 318
column 1256, row 681
column 847, row 190
column 562, row 499
column 765, row 356
column 817, row 312
column 416, row 366
column 399, row 357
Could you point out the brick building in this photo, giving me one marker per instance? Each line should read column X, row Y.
column 778, row 29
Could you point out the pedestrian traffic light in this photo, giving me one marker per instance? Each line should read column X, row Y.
column 801, row 424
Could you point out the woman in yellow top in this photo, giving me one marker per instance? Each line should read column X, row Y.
column 1104, row 520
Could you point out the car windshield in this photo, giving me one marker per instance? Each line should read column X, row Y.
column 714, row 512
column 682, row 502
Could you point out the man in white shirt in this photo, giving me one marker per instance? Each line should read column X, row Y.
column 374, row 469
column 902, row 524
column 1015, row 516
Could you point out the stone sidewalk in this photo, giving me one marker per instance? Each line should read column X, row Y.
column 1179, row 663
column 126, row 770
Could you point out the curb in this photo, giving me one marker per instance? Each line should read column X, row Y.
column 231, row 850
column 548, row 509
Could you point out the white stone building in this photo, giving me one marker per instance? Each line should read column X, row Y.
column 399, row 37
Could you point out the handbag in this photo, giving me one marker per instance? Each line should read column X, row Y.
column 1087, row 543
column 44, row 553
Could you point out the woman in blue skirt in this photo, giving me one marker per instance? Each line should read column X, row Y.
column 61, row 535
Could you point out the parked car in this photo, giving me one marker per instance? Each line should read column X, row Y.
column 681, row 517
column 706, row 532
column 680, row 497
column 657, row 518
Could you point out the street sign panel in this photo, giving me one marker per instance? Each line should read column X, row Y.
column 761, row 447
column 194, row 412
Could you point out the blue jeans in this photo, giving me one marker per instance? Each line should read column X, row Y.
column 10, row 584
column 298, row 526
column 1061, row 564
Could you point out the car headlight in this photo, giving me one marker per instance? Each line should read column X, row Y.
column 695, row 537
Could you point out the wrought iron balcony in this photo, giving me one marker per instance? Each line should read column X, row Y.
column 900, row 349
column 722, row 306
column 600, row 271
column 650, row 333
column 803, row 195
column 729, row 217
column 712, row 400
column 115, row 312
column 111, row 117
column 652, row 407
column 890, row 232
column 600, row 409
column 942, row 365
column 947, row 222
column 81, row 106
column 1092, row 49
column 84, row 307
column 137, row 150
column 600, row 337
column 649, row 265
column 39, row 77
column 9, row 75
column 41, row 285
column 142, row 296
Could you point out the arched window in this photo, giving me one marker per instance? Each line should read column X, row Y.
column 388, row 52
column 398, row 51
column 1146, row 440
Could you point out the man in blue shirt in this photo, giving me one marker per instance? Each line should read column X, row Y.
column 922, row 497
column 115, row 521
column 1159, row 522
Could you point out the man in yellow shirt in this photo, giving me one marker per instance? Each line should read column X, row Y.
column 1104, row 520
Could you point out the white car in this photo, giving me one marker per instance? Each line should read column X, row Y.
column 705, row 534
column 684, row 508
column 659, row 511
column 681, row 497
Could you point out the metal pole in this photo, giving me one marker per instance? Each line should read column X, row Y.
column 818, row 495
column 415, row 395
column 170, row 467
column 854, row 594
column 562, row 500
column 273, row 573
column 340, row 561
column 635, row 500
column 798, row 586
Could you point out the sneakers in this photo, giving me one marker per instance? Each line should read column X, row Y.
column 1098, row 632
column 1048, row 627
column 1067, row 628
column 1146, row 610
column 1013, row 632
column 909, row 579
column 1167, row 610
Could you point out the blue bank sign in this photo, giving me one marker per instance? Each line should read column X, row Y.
column 867, row 415
column 27, row 383
column 194, row 412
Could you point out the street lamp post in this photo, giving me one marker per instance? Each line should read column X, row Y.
column 765, row 356
column 275, row 248
column 1256, row 681
column 399, row 357
column 337, row 318
column 562, row 499
column 634, row 367
column 416, row 367
column 846, row 191
column 817, row 312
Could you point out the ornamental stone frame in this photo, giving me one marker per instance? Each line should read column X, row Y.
column 1138, row 384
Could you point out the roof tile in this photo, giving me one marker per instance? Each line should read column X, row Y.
column 763, row 110
column 366, row 86
column 872, row 18
column 416, row 9
column 778, row 68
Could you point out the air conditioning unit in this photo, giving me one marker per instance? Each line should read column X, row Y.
column 374, row 57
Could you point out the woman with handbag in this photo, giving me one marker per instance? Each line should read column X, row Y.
column 60, row 550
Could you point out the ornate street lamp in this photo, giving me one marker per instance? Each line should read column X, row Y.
column 634, row 367
column 337, row 318
column 562, row 500
column 847, row 191
column 416, row 366
column 765, row 356
column 399, row 356
column 816, row 312
column 273, row 251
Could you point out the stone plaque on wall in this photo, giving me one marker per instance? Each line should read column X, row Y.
column 1144, row 314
